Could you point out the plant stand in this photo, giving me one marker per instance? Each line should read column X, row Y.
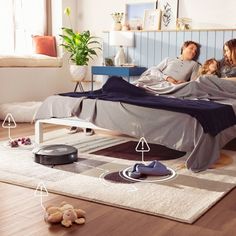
column 80, row 87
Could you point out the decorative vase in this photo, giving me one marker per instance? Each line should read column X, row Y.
column 117, row 17
column 78, row 73
column 119, row 59
column 117, row 26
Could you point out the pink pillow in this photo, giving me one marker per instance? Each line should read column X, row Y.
column 45, row 45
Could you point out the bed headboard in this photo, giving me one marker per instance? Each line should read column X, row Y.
column 151, row 47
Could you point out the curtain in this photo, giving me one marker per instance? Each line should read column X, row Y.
column 19, row 20
column 48, row 10
column 6, row 26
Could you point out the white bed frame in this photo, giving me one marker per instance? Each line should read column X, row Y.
column 72, row 121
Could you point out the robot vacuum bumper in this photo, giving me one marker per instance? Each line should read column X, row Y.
column 57, row 154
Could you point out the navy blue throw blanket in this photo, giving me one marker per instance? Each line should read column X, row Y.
column 214, row 117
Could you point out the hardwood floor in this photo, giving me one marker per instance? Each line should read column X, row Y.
column 21, row 213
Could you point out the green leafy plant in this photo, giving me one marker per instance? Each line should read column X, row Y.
column 81, row 46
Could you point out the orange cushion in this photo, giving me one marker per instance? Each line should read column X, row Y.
column 45, row 45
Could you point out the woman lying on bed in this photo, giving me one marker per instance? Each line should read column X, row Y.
column 228, row 63
column 173, row 70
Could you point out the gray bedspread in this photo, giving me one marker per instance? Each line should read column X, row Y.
column 205, row 87
column 175, row 130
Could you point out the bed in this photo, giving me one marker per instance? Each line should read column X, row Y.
column 173, row 129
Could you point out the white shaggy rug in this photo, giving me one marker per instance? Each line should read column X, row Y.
column 183, row 198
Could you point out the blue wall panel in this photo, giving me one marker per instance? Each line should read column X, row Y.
column 144, row 49
column 219, row 44
column 196, row 36
column 130, row 55
column 203, row 43
column 172, row 44
column 137, row 54
column 165, row 44
column 151, row 49
column 179, row 42
column 211, row 44
column 158, row 46
column 228, row 35
column 187, row 35
column 234, row 34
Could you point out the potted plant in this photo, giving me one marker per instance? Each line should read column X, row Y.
column 81, row 46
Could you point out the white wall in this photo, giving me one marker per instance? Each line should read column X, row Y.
column 204, row 13
column 209, row 13
column 18, row 84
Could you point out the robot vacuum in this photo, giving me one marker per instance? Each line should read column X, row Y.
column 56, row 154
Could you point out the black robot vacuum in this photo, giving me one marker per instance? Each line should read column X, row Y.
column 56, row 154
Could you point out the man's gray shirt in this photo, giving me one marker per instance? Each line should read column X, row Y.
column 174, row 67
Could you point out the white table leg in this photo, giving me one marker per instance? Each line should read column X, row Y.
column 38, row 132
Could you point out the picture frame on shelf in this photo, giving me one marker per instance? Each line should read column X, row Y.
column 169, row 10
column 152, row 19
column 134, row 13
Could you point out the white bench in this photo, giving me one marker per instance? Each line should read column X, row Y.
column 72, row 121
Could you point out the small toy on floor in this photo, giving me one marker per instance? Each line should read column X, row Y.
column 13, row 143
column 20, row 141
column 66, row 214
column 24, row 141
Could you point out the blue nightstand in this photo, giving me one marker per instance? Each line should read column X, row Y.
column 117, row 71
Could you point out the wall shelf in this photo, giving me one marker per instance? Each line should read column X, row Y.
column 191, row 30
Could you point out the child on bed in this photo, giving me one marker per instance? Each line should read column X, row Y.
column 210, row 67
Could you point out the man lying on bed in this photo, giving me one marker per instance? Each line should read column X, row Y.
column 173, row 70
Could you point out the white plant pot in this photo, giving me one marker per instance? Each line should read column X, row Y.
column 78, row 73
